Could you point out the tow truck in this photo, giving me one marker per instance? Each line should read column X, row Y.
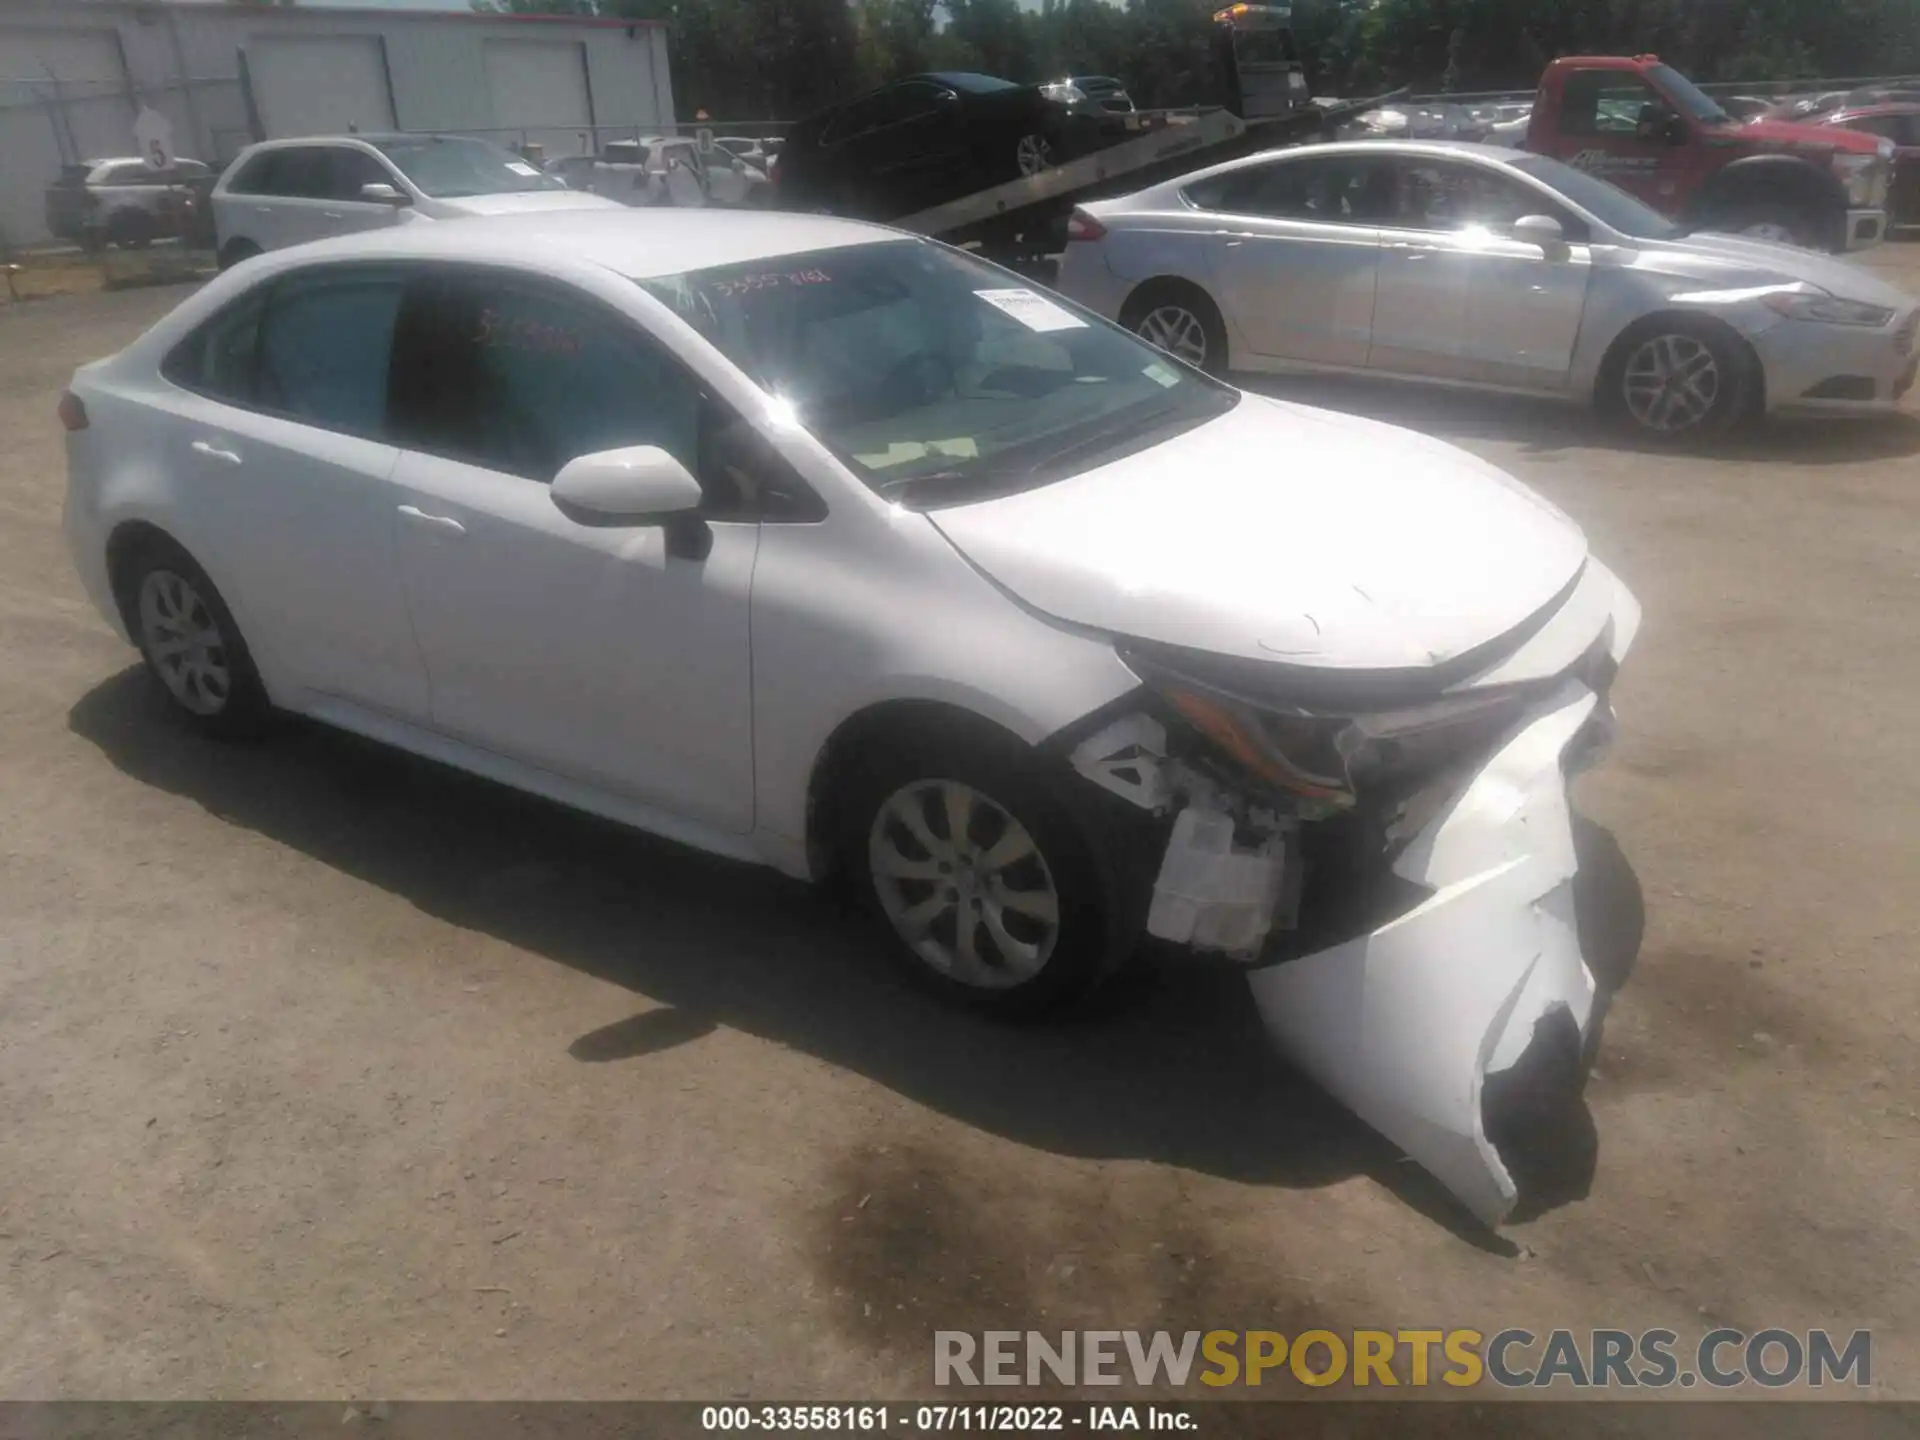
column 1262, row 100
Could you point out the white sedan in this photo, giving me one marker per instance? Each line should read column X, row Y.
column 814, row 544
column 1479, row 266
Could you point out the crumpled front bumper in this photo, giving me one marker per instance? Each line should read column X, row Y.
column 1404, row 1025
column 1476, row 989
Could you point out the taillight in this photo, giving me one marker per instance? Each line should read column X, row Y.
column 73, row 412
column 1082, row 226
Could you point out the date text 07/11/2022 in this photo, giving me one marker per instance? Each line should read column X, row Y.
column 932, row 1419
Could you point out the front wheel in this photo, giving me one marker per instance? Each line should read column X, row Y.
column 987, row 885
column 1678, row 379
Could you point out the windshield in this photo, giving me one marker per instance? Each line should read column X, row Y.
column 1688, row 96
column 936, row 378
column 1601, row 199
column 448, row 168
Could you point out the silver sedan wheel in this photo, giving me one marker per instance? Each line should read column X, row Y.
column 963, row 884
column 1671, row 383
column 181, row 638
column 1176, row 330
column 1034, row 154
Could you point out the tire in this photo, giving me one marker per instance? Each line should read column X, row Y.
column 1044, row 930
column 193, row 649
column 1033, row 153
column 131, row 229
column 234, row 251
column 1779, row 223
column 1180, row 319
column 1678, row 378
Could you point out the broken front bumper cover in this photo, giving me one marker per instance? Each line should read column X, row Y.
column 1404, row 1025
column 1407, row 1023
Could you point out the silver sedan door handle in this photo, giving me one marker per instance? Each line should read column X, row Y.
column 214, row 452
column 438, row 522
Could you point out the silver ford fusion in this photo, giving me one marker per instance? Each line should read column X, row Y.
column 1480, row 266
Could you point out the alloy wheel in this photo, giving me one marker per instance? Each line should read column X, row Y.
column 963, row 884
column 1034, row 154
column 1176, row 330
column 1770, row 230
column 1671, row 383
column 182, row 639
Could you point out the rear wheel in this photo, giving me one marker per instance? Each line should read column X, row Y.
column 234, row 251
column 190, row 642
column 1180, row 319
column 986, row 885
column 1033, row 153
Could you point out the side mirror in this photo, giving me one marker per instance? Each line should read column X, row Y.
column 1674, row 131
column 378, row 192
column 640, row 484
column 947, row 99
column 1541, row 230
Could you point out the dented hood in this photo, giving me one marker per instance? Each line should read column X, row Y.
column 1280, row 532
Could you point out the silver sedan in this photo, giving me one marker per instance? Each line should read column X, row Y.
column 1480, row 266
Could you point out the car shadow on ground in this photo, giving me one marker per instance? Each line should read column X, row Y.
column 1545, row 427
column 1169, row 1065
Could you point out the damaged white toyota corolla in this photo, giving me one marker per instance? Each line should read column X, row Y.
column 814, row 544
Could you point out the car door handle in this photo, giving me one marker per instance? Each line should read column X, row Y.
column 214, row 452
column 332, row 215
column 438, row 522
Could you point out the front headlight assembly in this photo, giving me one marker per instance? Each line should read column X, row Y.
column 1810, row 303
column 1864, row 177
column 1325, row 763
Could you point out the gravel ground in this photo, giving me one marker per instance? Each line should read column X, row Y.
column 327, row 1072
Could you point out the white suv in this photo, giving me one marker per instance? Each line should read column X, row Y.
column 285, row 192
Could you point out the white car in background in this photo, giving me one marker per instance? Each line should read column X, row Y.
column 821, row 546
column 288, row 192
column 1472, row 265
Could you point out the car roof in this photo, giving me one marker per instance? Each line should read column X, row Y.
column 969, row 80
column 1879, row 107
column 638, row 244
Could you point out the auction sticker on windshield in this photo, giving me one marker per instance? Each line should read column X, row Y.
column 1036, row 312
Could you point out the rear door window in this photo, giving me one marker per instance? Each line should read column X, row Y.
column 325, row 343
column 1331, row 190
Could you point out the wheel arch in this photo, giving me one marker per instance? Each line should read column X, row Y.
column 127, row 542
column 1615, row 354
column 1789, row 181
column 1143, row 294
column 835, row 765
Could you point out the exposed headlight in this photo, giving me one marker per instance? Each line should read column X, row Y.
column 1327, row 761
column 1810, row 304
column 1064, row 92
column 1864, row 177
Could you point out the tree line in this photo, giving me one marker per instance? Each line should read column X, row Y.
column 780, row 59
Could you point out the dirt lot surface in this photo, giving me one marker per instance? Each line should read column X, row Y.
column 327, row 1072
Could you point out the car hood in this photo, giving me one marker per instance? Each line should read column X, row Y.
column 1283, row 533
column 1791, row 134
column 522, row 202
column 1756, row 260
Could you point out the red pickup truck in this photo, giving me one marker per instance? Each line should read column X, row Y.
column 1652, row 131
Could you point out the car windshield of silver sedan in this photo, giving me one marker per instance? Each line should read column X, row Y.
column 451, row 168
column 938, row 379
column 1602, row 199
